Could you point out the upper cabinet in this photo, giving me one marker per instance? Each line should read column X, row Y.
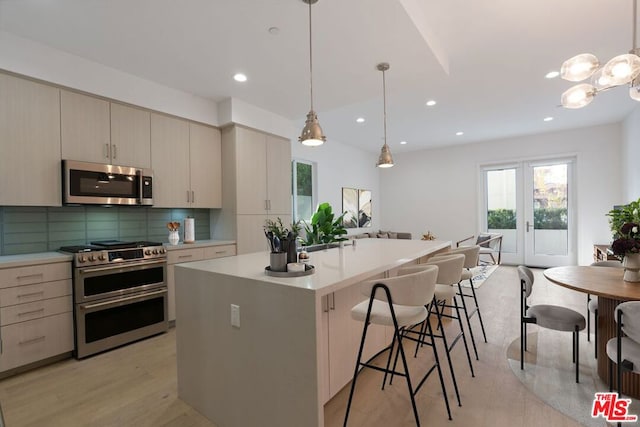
column 205, row 166
column 263, row 173
column 30, row 140
column 186, row 163
column 130, row 136
column 85, row 129
column 95, row 130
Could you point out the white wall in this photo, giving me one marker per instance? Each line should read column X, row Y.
column 438, row 190
column 338, row 166
column 36, row 60
column 630, row 156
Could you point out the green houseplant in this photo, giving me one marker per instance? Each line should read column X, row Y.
column 625, row 226
column 324, row 227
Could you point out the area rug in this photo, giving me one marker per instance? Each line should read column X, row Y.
column 550, row 375
column 480, row 274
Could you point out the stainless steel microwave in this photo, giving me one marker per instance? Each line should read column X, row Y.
column 99, row 184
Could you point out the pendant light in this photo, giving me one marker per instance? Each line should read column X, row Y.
column 385, row 160
column 312, row 132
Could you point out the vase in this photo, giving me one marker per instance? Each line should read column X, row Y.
column 174, row 237
column 631, row 264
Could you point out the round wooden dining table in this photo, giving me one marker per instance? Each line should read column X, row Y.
column 611, row 289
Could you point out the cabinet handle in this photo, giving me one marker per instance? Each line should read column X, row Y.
column 27, row 276
column 325, row 304
column 30, row 294
column 106, row 151
column 115, row 152
column 184, row 256
column 193, row 196
column 333, row 301
column 31, row 312
column 221, row 252
column 33, row 340
column 188, row 194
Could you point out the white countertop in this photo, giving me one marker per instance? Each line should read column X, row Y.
column 198, row 244
column 9, row 261
column 335, row 268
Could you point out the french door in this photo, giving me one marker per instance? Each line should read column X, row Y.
column 531, row 203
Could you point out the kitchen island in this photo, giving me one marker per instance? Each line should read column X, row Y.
column 294, row 346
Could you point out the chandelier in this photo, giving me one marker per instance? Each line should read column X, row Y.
column 620, row 70
column 312, row 132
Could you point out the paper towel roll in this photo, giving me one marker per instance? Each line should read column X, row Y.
column 189, row 230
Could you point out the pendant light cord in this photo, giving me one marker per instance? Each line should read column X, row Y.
column 384, row 106
column 310, row 58
column 635, row 23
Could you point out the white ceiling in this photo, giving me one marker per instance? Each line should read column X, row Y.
column 484, row 61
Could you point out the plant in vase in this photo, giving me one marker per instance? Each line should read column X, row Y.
column 282, row 239
column 173, row 227
column 325, row 228
column 625, row 225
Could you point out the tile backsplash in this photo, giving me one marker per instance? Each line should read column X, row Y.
column 42, row 229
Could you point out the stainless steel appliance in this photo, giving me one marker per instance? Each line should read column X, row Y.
column 119, row 292
column 99, row 184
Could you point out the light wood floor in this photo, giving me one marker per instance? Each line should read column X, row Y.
column 136, row 385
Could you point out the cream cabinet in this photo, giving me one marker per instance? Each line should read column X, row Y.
column 186, row 253
column 186, row 161
column 130, row 136
column 342, row 335
column 205, row 166
column 99, row 131
column 30, row 140
column 36, row 313
column 257, row 183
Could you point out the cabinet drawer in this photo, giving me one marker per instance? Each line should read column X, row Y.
column 37, row 292
column 28, row 342
column 34, row 274
column 211, row 252
column 185, row 255
column 35, row 310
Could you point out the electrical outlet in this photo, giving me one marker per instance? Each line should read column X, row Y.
column 235, row 315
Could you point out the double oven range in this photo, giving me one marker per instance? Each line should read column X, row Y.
column 119, row 293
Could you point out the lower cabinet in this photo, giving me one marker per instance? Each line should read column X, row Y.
column 36, row 313
column 188, row 254
column 343, row 335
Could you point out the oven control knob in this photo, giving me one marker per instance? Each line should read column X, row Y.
column 101, row 257
column 147, row 252
column 163, row 251
column 81, row 258
column 92, row 258
column 155, row 252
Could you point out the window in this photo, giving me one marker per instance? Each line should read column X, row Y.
column 303, row 189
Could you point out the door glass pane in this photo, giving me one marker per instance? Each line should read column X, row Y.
column 303, row 194
column 501, row 206
column 550, row 213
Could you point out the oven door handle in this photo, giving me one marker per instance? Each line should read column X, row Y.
column 113, row 267
column 123, row 300
column 140, row 185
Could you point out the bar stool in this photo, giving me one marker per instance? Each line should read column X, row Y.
column 471, row 254
column 449, row 271
column 398, row 302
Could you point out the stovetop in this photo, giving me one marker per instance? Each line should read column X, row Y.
column 114, row 251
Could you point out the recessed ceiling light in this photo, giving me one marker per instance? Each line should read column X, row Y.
column 274, row 31
column 239, row 77
column 403, row 142
column 431, row 103
column 360, row 120
column 548, row 119
column 552, row 74
column 459, row 133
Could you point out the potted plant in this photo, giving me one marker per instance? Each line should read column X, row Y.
column 324, row 228
column 282, row 239
column 625, row 226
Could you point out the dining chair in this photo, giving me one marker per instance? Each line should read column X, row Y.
column 490, row 244
column 592, row 306
column 399, row 302
column 624, row 348
column 553, row 317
